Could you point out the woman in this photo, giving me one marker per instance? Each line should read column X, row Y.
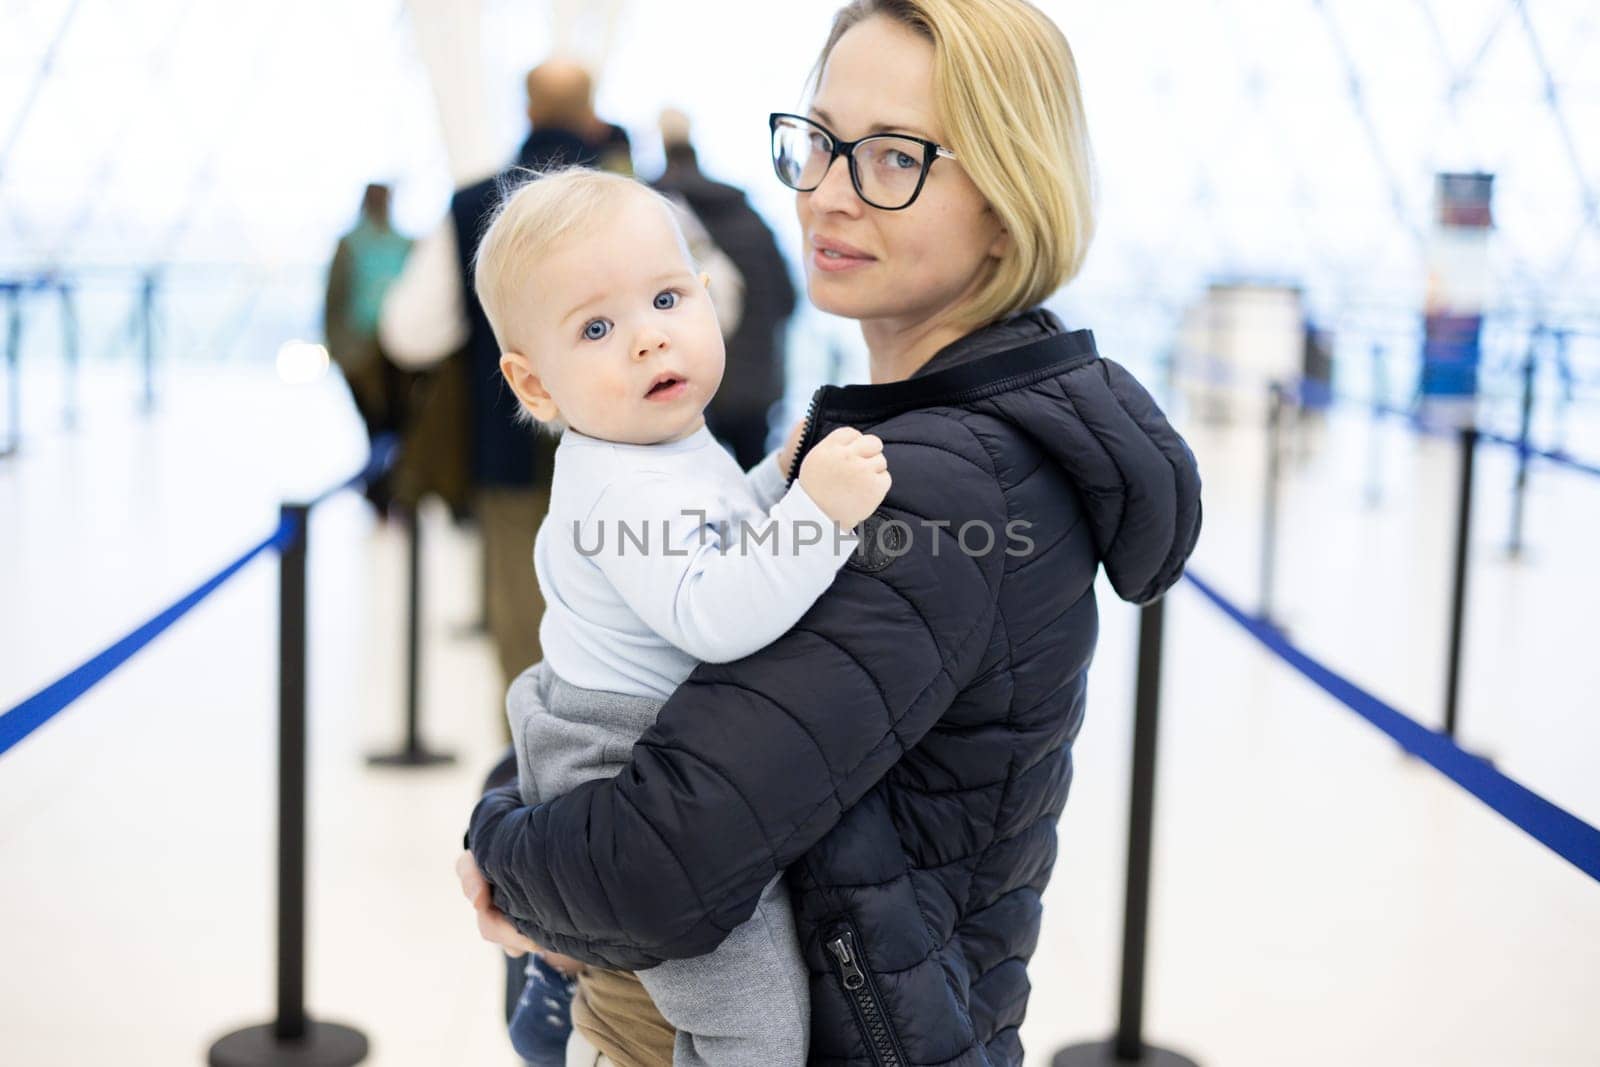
column 904, row 752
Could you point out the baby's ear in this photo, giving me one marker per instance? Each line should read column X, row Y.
column 524, row 381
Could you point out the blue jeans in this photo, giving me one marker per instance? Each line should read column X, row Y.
column 542, row 1020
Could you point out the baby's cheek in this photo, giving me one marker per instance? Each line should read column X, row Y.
column 619, row 388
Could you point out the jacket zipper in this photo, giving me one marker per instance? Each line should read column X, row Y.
column 863, row 997
column 805, row 435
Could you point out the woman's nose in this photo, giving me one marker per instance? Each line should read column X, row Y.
column 836, row 193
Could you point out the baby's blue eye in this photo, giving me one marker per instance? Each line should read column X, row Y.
column 596, row 329
column 666, row 300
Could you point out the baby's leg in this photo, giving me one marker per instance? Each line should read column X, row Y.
column 746, row 1002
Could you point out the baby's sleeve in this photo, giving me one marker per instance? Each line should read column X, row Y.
column 767, row 481
column 717, row 589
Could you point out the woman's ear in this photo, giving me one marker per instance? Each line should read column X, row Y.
column 520, row 375
column 1000, row 247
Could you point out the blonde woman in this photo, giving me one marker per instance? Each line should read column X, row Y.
column 903, row 753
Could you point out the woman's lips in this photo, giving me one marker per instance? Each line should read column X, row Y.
column 834, row 262
column 831, row 255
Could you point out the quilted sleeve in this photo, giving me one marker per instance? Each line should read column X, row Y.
column 751, row 762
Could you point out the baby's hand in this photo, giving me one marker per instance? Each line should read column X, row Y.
column 786, row 453
column 847, row 475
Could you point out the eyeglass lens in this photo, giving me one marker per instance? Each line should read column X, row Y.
column 887, row 168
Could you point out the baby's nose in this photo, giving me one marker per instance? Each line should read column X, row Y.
column 652, row 341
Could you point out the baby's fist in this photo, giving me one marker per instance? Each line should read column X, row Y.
column 847, row 475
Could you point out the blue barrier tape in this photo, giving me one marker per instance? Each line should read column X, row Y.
column 38, row 709
column 20, row 721
column 1313, row 394
column 1319, row 395
column 1561, row 459
column 1560, row 831
column 385, row 448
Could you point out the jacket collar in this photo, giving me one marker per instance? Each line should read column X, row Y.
column 965, row 382
column 1013, row 331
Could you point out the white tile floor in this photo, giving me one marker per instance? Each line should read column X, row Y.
column 1319, row 899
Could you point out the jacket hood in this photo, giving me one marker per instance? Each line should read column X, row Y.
column 1136, row 476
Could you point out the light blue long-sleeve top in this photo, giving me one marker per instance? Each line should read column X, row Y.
column 654, row 558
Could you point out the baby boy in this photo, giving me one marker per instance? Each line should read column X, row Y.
column 658, row 552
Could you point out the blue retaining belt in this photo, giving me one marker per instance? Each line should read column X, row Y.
column 1562, row 832
column 385, row 449
column 38, row 709
column 1559, row 458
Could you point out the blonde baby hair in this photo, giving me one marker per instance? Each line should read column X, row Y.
column 537, row 211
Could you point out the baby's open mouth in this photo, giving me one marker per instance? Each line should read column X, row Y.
column 664, row 385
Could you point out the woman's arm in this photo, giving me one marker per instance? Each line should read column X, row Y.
column 750, row 763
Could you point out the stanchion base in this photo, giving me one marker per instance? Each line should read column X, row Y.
column 324, row 1045
column 411, row 757
column 1104, row 1054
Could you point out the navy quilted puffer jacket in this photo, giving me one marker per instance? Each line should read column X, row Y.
column 905, row 751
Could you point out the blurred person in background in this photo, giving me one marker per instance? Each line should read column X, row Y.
column 366, row 263
column 754, row 379
column 431, row 313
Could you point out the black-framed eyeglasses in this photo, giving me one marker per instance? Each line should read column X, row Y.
column 887, row 169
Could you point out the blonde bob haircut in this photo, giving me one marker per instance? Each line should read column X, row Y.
column 537, row 211
column 1006, row 91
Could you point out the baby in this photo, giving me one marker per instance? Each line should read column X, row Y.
column 657, row 553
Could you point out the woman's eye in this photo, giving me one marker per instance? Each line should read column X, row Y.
column 596, row 329
column 666, row 300
column 901, row 160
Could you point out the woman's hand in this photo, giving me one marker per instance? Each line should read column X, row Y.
column 492, row 925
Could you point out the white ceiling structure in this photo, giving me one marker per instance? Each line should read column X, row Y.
column 1294, row 140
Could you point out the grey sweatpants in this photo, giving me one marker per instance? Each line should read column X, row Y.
column 745, row 1002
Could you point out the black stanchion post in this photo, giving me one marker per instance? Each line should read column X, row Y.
column 1458, row 598
column 292, row 1039
column 415, row 754
column 1269, row 499
column 1520, row 491
column 1128, row 1046
column 13, row 369
column 147, row 320
column 69, row 354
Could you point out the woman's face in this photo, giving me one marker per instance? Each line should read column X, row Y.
column 903, row 267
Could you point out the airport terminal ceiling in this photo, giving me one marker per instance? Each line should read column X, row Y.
column 1294, row 141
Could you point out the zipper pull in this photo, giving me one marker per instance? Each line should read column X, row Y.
column 853, row 976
